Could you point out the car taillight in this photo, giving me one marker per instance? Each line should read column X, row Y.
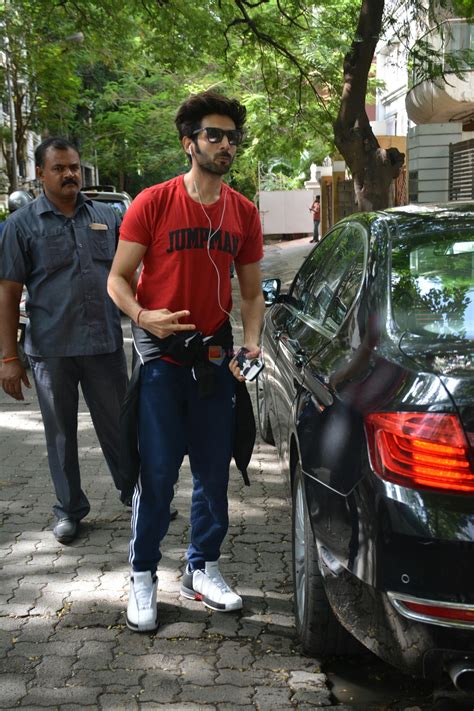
column 420, row 450
column 446, row 614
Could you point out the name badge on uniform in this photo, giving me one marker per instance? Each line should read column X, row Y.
column 98, row 226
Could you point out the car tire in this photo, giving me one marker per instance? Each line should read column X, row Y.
column 319, row 630
column 264, row 426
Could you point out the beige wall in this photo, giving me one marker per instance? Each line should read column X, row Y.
column 285, row 212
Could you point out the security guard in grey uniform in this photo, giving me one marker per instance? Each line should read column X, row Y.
column 61, row 247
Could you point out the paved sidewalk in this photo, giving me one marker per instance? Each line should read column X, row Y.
column 64, row 643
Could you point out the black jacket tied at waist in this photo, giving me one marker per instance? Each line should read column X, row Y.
column 191, row 351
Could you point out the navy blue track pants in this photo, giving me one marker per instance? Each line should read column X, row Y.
column 173, row 420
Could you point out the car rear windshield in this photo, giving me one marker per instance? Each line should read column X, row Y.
column 432, row 279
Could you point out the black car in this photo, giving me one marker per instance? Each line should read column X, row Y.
column 368, row 394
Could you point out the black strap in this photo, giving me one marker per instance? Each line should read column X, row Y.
column 186, row 349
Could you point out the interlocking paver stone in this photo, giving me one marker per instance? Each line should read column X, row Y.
column 267, row 699
column 196, row 670
column 118, row 702
column 160, row 686
column 217, row 693
column 13, row 687
column 46, row 697
column 314, row 697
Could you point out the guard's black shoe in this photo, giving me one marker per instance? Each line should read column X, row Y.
column 66, row 529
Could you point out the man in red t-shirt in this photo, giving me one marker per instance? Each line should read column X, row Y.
column 186, row 232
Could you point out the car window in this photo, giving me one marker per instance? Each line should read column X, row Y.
column 432, row 281
column 303, row 283
column 339, row 280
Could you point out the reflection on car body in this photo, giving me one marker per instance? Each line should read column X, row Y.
column 368, row 394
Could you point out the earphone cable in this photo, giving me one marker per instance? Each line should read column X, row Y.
column 211, row 235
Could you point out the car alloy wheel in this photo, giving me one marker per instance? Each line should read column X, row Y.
column 318, row 629
column 299, row 557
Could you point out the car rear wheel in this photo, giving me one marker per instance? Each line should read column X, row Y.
column 320, row 632
column 264, row 426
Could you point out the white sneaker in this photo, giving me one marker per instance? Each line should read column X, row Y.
column 209, row 586
column 142, row 615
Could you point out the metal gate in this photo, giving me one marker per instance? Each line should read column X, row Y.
column 346, row 198
column 461, row 170
column 346, row 203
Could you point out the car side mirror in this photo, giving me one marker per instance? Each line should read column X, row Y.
column 271, row 290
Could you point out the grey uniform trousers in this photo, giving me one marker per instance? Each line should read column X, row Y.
column 103, row 380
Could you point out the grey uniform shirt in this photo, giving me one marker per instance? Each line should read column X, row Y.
column 64, row 263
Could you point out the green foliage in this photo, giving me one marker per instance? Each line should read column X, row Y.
column 465, row 8
column 118, row 91
column 131, row 129
column 46, row 43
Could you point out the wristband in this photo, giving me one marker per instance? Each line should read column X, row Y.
column 137, row 320
column 9, row 360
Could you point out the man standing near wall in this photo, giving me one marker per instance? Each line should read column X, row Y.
column 316, row 210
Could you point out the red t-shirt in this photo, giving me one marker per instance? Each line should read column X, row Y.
column 316, row 210
column 177, row 270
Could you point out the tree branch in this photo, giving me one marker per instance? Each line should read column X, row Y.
column 266, row 39
column 357, row 63
column 290, row 19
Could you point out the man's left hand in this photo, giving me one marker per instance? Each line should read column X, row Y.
column 253, row 352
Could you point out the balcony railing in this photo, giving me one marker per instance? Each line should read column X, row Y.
column 446, row 49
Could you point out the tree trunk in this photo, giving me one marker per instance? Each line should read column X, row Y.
column 8, row 166
column 373, row 168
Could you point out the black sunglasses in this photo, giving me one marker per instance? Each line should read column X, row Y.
column 215, row 135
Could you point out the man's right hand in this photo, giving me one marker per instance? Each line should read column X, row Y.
column 162, row 322
column 11, row 376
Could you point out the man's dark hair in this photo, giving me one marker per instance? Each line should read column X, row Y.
column 56, row 142
column 192, row 111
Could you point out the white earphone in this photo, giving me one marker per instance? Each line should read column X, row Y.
column 190, row 151
column 209, row 239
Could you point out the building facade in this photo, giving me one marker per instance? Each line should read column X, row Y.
column 436, row 115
